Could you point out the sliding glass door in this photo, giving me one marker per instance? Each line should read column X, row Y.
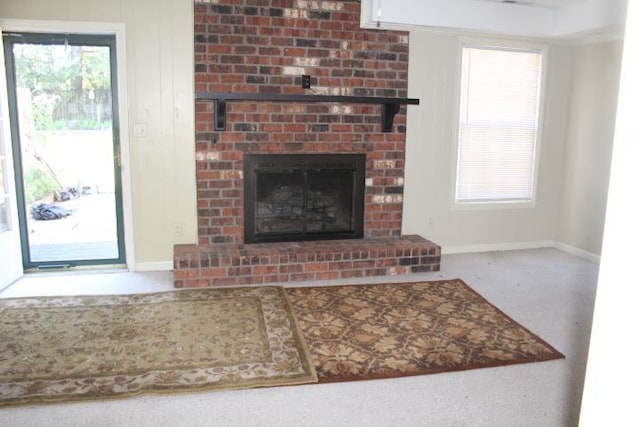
column 63, row 105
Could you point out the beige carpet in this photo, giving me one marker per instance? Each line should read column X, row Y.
column 56, row 349
column 390, row 330
column 75, row 348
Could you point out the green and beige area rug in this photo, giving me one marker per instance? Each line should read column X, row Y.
column 76, row 348
column 60, row 349
column 392, row 330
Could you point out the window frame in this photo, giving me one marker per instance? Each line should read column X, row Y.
column 497, row 44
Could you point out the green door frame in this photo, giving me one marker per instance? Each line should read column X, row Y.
column 10, row 39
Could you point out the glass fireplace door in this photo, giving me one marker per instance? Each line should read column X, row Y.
column 303, row 197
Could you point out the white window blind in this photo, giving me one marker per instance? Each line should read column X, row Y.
column 499, row 105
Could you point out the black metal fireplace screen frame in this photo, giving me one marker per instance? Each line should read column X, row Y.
column 257, row 164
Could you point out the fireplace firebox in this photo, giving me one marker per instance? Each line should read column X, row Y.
column 290, row 197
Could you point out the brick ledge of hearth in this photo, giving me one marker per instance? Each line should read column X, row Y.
column 230, row 264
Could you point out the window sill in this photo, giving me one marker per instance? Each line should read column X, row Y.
column 493, row 205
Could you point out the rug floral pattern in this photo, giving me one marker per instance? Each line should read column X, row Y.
column 389, row 330
column 72, row 348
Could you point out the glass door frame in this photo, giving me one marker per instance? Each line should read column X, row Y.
column 11, row 260
column 80, row 39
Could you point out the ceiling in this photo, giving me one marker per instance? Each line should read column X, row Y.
column 549, row 19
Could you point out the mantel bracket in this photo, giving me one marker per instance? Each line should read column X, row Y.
column 220, row 113
column 390, row 106
column 389, row 111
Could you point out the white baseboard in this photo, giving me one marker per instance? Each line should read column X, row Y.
column 492, row 247
column 521, row 245
column 577, row 252
column 155, row 266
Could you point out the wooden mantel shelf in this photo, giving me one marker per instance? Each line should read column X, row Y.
column 390, row 106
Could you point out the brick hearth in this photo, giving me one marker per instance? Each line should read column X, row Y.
column 236, row 264
column 252, row 46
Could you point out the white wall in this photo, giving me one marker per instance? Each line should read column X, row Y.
column 612, row 377
column 430, row 159
column 159, row 83
column 588, row 155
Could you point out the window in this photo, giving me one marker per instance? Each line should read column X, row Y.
column 498, row 127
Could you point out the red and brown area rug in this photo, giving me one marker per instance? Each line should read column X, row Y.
column 373, row 331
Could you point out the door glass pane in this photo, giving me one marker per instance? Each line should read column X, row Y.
column 4, row 179
column 280, row 203
column 64, row 113
column 4, row 205
column 330, row 201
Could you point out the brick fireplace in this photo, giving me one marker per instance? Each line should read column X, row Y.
column 265, row 47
